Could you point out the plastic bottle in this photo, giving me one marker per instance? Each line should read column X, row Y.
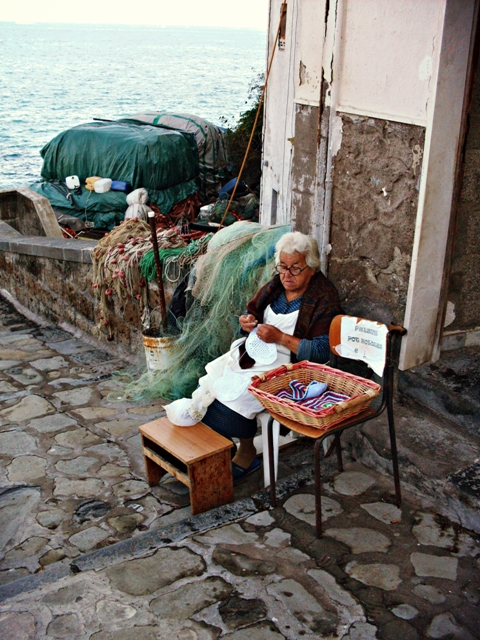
column 103, row 185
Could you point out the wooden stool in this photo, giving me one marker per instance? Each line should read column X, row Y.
column 197, row 456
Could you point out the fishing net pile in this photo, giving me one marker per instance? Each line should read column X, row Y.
column 238, row 261
column 176, row 262
column 116, row 267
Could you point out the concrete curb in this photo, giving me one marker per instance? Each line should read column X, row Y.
column 35, row 581
column 147, row 543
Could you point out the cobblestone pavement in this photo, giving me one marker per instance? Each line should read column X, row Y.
column 89, row 550
column 72, row 476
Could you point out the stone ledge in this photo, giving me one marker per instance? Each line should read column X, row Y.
column 29, row 212
column 54, row 248
column 7, row 231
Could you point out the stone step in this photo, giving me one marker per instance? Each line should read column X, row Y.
column 439, row 462
column 450, row 387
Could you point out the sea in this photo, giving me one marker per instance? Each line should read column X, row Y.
column 56, row 76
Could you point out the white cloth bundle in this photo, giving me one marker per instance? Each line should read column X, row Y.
column 186, row 412
column 138, row 204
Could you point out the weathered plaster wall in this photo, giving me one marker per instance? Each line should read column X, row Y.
column 388, row 55
column 295, row 82
column 304, row 167
column 278, row 122
column 464, row 291
column 374, row 205
column 426, row 299
column 309, row 41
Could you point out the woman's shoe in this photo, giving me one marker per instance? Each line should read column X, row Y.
column 239, row 473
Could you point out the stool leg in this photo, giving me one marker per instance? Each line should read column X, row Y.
column 153, row 471
column 338, row 448
column 262, row 421
column 318, row 488
column 271, row 465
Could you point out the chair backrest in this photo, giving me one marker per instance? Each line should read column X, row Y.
column 360, row 339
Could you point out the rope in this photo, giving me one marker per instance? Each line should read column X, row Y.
column 260, row 102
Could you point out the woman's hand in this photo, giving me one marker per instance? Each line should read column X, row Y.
column 248, row 322
column 269, row 333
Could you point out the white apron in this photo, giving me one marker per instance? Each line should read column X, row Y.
column 246, row 404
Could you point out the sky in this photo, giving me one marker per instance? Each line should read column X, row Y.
column 206, row 13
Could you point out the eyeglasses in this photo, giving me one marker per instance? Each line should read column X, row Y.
column 294, row 271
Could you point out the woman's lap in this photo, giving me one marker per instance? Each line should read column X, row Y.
column 229, row 423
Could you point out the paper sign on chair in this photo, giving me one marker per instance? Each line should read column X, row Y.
column 364, row 340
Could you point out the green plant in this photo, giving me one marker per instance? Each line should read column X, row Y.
column 237, row 138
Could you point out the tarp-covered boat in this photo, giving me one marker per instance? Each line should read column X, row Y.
column 210, row 139
column 163, row 161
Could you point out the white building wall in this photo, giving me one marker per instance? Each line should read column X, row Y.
column 278, row 124
column 388, row 53
column 383, row 59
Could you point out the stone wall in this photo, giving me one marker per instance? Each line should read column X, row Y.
column 28, row 213
column 374, row 205
column 463, row 311
column 53, row 280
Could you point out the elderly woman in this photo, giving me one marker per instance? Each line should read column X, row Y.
column 293, row 311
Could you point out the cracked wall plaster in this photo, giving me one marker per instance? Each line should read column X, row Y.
column 374, row 206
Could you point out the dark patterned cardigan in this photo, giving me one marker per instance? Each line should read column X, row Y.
column 320, row 304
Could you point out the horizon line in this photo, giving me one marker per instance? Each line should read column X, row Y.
column 130, row 26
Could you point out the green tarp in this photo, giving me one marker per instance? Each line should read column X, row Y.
column 144, row 156
column 106, row 210
column 210, row 139
column 162, row 161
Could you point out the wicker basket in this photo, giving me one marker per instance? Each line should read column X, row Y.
column 360, row 390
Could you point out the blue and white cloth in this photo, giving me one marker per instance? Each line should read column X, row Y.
column 315, row 396
column 298, row 391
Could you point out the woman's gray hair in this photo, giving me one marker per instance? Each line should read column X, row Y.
column 298, row 242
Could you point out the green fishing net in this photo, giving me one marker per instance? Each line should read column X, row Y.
column 239, row 260
column 175, row 261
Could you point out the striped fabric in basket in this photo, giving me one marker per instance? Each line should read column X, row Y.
column 298, row 393
column 359, row 391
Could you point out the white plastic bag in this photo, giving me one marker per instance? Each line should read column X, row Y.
column 178, row 412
